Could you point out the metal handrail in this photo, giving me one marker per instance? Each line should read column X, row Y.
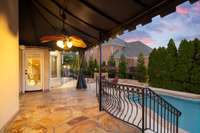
column 138, row 106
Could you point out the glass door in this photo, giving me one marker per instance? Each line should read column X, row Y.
column 33, row 72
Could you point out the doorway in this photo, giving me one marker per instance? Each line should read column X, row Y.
column 34, row 67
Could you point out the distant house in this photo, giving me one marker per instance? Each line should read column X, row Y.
column 117, row 47
column 131, row 51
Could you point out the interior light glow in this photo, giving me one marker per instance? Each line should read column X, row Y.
column 60, row 44
column 69, row 44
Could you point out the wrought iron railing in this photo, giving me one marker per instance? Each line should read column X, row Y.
column 138, row 106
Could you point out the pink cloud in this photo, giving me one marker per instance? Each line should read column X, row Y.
column 197, row 7
column 145, row 40
column 182, row 10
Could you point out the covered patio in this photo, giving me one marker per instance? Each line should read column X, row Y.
column 64, row 110
column 67, row 109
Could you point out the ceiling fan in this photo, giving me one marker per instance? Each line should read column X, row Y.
column 64, row 41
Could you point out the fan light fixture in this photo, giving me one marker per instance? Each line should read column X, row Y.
column 60, row 44
column 69, row 44
column 63, row 44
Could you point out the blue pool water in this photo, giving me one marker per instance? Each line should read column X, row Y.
column 190, row 118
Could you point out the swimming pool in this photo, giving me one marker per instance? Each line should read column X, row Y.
column 190, row 118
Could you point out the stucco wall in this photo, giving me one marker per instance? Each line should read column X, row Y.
column 9, row 60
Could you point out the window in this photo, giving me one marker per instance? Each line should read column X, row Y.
column 54, row 66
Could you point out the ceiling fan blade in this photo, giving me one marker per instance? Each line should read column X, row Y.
column 77, row 42
column 48, row 38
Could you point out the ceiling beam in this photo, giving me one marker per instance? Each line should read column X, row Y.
column 140, row 3
column 43, row 16
column 77, row 18
column 86, row 3
column 73, row 27
column 148, row 12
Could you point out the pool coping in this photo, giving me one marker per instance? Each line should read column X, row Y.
column 176, row 93
column 184, row 95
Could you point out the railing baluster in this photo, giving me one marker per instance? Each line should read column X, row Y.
column 171, row 122
column 158, row 115
column 161, row 116
column 168, row 119
column 150, row 110
column 143, row 110
column 164, row 116
column 146, row 105
column 154, row 108
column 176, row 124
column 125, row 101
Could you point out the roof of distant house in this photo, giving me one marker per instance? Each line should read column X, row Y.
column 115, row 42
column 133, row 49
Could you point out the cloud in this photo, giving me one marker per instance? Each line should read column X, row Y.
column 197, row 7
column 138, row 35
column 182, row 10
column 182, row 24
column 145, row 40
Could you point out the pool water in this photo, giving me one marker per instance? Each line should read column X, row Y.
column 190, row 109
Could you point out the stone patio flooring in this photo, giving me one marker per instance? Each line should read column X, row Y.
column 64, row 110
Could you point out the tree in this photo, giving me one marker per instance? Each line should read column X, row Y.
column 85, row 67
column 96, row 66
column 184, row 64
column 171, row 62
column 91, row 66
column 178, row 70
column 151, row 66
column 122, row 67
column 141, row 69
column 195, row 71
column 111, row 67
column 111, row 61
column 76, row 63
column 157, row 67
column 104, row 67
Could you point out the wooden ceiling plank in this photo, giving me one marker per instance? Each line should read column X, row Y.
column 140, row 3
column 77, row 18
column 87, row 4
column 75, row 28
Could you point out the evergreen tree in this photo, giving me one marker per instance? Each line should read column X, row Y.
column 111, row 67
column 111, row 62
column 141, row 69
column 157, row 67
column 96, row 66
column 195, row 71
column 122, row 67
column 171, row 62
column 151, row 67
column 178, row 70
column 104, row 67
column 76, row 64
column 84, row 67
column 91, row 66
column 184, row 66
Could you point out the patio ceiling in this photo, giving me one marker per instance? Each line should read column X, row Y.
column 92, row 20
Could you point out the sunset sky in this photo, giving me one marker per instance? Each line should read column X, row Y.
column 182, row 24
